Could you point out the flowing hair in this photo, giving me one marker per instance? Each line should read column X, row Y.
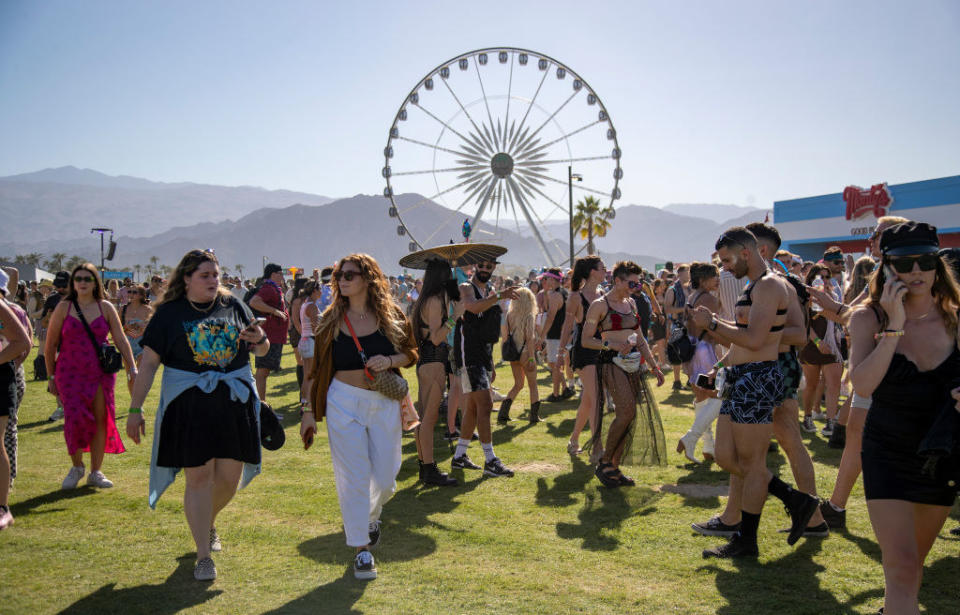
column 437, row 282
column 190, row 262
column 859, row 278
column 945, row 291
column 523, row 311
column 581, row 270
column 98, row 292
column 390, row 318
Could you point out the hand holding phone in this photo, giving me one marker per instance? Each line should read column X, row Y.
column 704, row 382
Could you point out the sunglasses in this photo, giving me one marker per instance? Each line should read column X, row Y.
column 904, row 264
column 346, row 275
column 633, row 285
column 486, row 266
column 83, row 278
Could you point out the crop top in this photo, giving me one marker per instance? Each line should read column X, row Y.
column 747, row 301
column 346, row 356
column 617, row 321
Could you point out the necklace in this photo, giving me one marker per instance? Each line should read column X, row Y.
column 930, row 311
column 361, row 315
column 200, row 309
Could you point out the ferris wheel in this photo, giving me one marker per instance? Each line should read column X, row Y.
column 489, row 141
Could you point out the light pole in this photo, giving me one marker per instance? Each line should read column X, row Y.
column 570, row 177
column 102, row 230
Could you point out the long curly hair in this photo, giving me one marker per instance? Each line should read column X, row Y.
column 945, row 291
column 390, row 317
column 190, row 262
column 522, row 316
column 439, row 282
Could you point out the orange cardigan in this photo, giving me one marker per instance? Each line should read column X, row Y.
column 323, row 364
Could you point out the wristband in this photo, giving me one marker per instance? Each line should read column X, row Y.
column 50, row 377
column 713, row 324
column 261, row 340
column 718, row 365
column 888, row 333
column 135, row 411
column 451, row 323
column 816, row 341
column 499, row 295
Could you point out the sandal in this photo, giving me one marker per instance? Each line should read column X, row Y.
column 608, row 478
column 625, row 480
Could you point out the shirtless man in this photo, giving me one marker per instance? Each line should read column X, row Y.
column 753, row 376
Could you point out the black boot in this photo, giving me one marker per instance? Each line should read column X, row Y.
column 838, row 439
column 300, row 376
column 535, row 413
column 430, row 474
column 503, row 417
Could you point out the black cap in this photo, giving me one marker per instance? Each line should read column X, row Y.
column 61, row 280
column 325, row 274
column 909, row 238
column 271, row 269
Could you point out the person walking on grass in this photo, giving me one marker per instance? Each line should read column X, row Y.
column 519, row 345
column 78, row 328
column 269, row 302
column 14, row 348
column 135, row 315
column 208, row 419
column 554, row 300
column 363, row 426
column 10, row 434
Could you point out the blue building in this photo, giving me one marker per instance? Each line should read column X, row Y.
column 847, row 219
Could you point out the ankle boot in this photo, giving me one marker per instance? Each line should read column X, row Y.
column 503, row 417
column 300, row 376
column 535, row 413
column 430, row 474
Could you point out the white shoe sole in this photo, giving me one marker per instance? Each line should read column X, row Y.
column 364, row 575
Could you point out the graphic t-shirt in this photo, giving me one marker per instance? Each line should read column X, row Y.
column 191, row 340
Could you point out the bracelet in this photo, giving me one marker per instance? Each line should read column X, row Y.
column 718, row 365
column 816, row 340
column 713, row 323
column 451, row 323
column 133, row 410
column 843, row 306
column 888, row 333
column 261, row 340
column 605, row 344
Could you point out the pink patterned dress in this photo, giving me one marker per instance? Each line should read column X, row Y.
column 78, row 377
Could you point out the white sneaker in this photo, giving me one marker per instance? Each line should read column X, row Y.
column 73, row 477
column 97, row 479
column 56, row 416
column 820, row 416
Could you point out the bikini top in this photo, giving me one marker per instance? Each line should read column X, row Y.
column 746, row 300
column 617, row 321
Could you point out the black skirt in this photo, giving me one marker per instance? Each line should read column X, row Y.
column 198, row 427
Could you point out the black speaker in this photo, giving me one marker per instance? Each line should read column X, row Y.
column 111, row 250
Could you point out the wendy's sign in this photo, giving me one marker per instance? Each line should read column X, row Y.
column 861, row 202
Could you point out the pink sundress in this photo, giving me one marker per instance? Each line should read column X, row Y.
column 78, row 377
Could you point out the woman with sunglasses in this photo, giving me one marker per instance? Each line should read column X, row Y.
column 612, row 326
column 208, row 419
column 363, row 426
column 905, row 355
column 135, row 315
column 76, row 378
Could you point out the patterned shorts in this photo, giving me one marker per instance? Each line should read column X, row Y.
column 474, row 378
column 757, row 390
column 792, row 372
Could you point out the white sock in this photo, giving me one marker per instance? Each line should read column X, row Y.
column 488, row 451
column 461, row 448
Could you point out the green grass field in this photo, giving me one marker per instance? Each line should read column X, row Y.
column 549, row 540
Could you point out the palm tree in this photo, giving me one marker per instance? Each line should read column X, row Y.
column 154, row 262
column 73, row 262
column 239, row 269
column 137, row 269
column 55, row 262
column 590, row 220
column 32, row 258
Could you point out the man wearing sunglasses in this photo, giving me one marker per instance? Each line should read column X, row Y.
column 752, row 387
column 473, row 353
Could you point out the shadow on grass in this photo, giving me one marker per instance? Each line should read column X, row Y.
column 337, row 596
column 789, row 582
column 563, row 488
column 28, row 507
column 604, row 512
column 180, row 591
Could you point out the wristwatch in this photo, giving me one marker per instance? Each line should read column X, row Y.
column 713, row 323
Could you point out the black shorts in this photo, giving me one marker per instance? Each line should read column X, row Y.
column 8, row 389
column 474, row 378
column 757, row 390
column 271, row 360
column 434, row 353
column 792, row 372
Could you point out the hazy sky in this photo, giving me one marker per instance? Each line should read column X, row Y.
column 721, row 102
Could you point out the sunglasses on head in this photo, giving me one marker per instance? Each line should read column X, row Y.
column 346, row 275
column 83, row 278
column 904, row 264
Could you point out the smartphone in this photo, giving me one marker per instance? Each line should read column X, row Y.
column 256, row 322
column 308, row 439
column 704, row 382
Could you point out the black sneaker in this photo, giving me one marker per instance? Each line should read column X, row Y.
column 431, row 475
column 554, row 398
column 838, row 439
column 677, row 386
column 737, row 547
column 495, row 467
column 836, row 519
column 800, row 508
column 716, row 527
column 568, row 393
column 452, row 436
column 374, row 533
column 463, row 462
column 828, row 429
column 363, row 566
column 955, row 531
column 812, row 531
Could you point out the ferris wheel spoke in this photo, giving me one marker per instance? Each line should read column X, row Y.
column 456, row 211
column 485, row 201
column 434, row 147
column 569, row 134
column 486, row 103
column 526, row 214
column 526, row 163
column 557, row 205
column 506, row 117
column 428, row 199
column 554, row 114
column 532, row 101
column 462, row 108
column 447, row 170
column 445, row 125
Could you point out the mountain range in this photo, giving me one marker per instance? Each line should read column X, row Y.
column 52, row 211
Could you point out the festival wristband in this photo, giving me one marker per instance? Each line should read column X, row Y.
column 135, row 411
column 718, row 365
column 451, row 323
column 816, row 341
column 888, row 333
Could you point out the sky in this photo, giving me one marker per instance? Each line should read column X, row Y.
column 713, row 102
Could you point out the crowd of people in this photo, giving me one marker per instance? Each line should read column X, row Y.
column 868, row 347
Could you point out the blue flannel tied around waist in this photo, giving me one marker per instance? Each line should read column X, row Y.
column 175, row 382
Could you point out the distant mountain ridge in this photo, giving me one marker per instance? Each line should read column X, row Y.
column 711, row 211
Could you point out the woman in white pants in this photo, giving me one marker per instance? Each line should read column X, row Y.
column 363, row 426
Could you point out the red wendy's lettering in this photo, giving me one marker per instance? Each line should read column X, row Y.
column 860, row 202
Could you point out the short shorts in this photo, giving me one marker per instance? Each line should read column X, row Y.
column 8, row 389
column 757, row 390
column 474, row 378
column 792, row 372
column 553, row 350
column 306, row 347
column 271, row 360
column 861, row 402
column 135, row 345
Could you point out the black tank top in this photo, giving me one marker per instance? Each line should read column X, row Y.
column 345, row 353
column 553, row 333
column 468, row 347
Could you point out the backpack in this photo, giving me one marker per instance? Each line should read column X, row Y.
column 39, row 368
column 680, row 348
column 509, row 350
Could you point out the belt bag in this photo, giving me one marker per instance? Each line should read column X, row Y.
column 107, row 354
column 388, row 383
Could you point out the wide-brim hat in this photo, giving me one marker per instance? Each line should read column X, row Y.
column 909, row 238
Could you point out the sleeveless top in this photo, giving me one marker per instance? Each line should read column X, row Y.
column 553, row 333
column 746, row 300
column 617, row 321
